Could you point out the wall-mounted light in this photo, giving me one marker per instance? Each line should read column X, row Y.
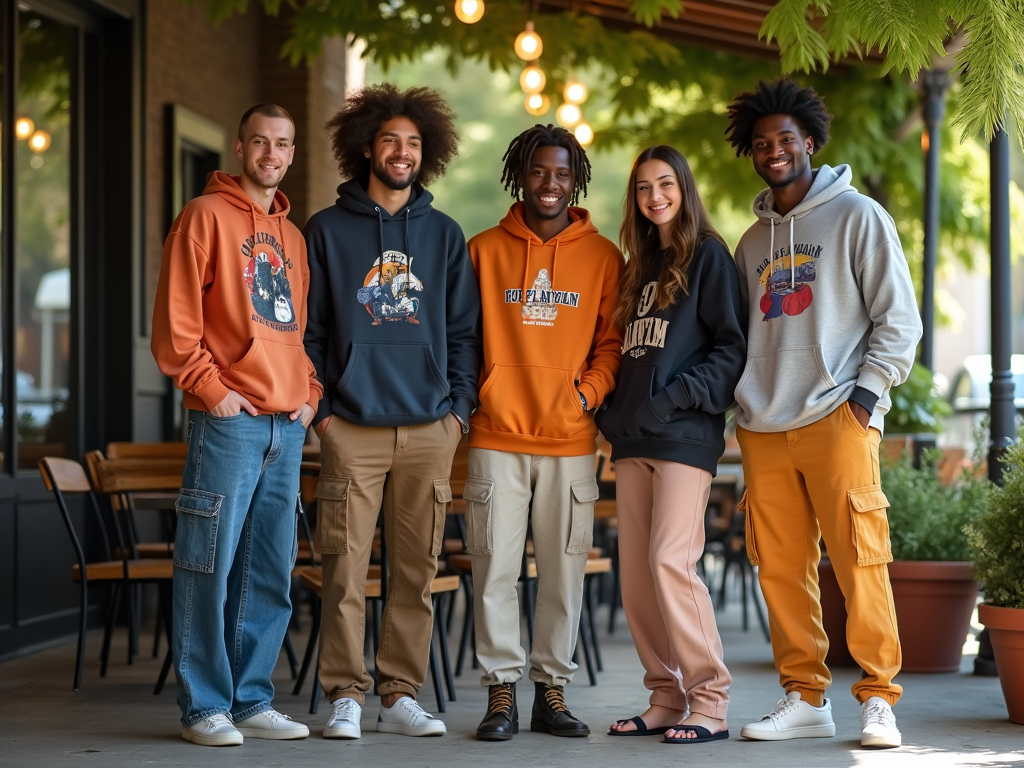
column 575, row 92
column 528, row 44
column 568, row 115
column 537, row 104
column 469, row 11
column 533, row 79
column 39, row 141
column 23, row 128
column 584, row 134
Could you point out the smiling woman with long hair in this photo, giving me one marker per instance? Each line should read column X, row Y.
column 682, row 355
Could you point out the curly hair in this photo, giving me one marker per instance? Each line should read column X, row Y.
column 520, row 153
column 783, row 97
column 356, row 125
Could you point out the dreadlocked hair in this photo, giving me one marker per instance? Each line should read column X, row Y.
column 783, row 97
column 356, row 125
column 520, row 151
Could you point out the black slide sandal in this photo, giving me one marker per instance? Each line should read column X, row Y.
column 703, row 735
column 641, row 728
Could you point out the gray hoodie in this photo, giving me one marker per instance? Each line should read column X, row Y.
column 845, row 317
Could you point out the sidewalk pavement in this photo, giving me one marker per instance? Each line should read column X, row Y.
column 947, row 720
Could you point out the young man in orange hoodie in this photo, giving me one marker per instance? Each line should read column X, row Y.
column 227, row 326
column 548, row 287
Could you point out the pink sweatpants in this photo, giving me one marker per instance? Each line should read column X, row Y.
column 660, row 506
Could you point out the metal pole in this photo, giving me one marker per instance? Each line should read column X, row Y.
column 1002, row 413
column 934, row 84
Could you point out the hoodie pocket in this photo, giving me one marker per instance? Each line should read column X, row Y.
column 776, row 387
column 531, row 400
column 273, row 374
column 632, row 393
column 385, row 379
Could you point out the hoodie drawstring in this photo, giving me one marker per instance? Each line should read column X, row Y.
column 792, row 258
column 526, row 272
column 408, row 246
column 771, row 248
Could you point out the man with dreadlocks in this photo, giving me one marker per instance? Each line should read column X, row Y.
column 548, row 286
column 833, row 327
column 394, row 335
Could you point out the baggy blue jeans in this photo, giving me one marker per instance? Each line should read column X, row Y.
column 234, row 550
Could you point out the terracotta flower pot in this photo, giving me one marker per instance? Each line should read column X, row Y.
column 934, row 601
column 1006, row 626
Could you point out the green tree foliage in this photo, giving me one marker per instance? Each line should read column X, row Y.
column 812, row 36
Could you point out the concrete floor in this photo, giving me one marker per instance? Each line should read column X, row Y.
column 947, row 720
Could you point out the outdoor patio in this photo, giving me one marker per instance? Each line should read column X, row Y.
column 947, row 720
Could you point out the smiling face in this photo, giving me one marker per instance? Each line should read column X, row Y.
column 548, row 183
column 396, row 153
column 658, row 195
column 781, row 150
column 266, row 149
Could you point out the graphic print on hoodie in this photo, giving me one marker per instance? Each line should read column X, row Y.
column 806, row 357
column 230, row 308
column 392, row 346
column 548, row 334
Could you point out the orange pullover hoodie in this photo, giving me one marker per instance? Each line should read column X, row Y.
column 230, row 308
column 548, row 333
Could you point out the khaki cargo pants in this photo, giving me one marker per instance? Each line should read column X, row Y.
column 408, row 468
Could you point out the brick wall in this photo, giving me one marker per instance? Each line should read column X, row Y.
column 219, row 72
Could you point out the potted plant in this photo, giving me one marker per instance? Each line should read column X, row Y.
column 915, row 416
column 996, row 538
column 933, row 586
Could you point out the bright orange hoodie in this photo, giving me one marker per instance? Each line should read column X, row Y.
column 547, row 322
column 230, row 308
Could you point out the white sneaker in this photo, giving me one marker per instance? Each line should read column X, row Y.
column 214, row 731
column 878, row 724
column 344, row 720
column 792, row 718
column 408, row 718
column 271, row 724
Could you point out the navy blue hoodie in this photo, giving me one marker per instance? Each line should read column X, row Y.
column 680, row 367
column 393, row 324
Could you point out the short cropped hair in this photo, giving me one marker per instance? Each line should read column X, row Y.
column 783, row 97
column 356, row 125
column 264, row 110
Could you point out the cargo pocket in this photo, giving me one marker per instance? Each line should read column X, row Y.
column 442, row 498
column 195, row 541
column 477, row 495
column 332, row 515
column 581, row 528
column 870, row 525
column 744, row 507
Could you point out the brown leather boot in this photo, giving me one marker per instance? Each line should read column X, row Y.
column 502, row 718
column 550, row 715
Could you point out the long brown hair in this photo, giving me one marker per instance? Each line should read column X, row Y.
column 638, row 237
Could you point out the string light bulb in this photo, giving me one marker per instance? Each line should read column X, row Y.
column 528, row 44
column 39, row 142
column 568, row 115
column 584, row 134
column 575, row 92
column 533, row 79
column 469, row 11
column 537, row 104
column 24, row 128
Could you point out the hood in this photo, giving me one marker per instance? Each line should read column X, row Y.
column 226, row 185
column 828, row 183
column 352, row 197
column 515, row 224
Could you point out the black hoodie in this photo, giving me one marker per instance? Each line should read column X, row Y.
column 393, row 325
column 680, row 366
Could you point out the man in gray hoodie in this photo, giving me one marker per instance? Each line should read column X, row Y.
column 833, row 326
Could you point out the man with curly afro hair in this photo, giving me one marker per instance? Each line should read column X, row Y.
column 833, row 326
column 394, row 334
